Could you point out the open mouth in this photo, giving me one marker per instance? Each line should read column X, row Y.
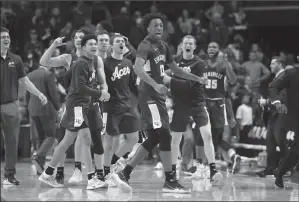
column 121, row 47
column 188, row 50
column 159, row 34
column 93, row 51
column 6, row 43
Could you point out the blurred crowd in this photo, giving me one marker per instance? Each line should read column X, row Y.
column 34, row 26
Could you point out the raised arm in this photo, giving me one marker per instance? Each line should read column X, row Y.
column 63, row 60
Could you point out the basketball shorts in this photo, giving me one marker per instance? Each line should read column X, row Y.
column 153, row 113
column 94, row 116
column 217, row 113
column 182, row 114
column 74, row 118
column 123, row 121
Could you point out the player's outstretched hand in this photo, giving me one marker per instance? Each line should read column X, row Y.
column 43, row 98
column 281, row 108
column 160, row 88
column 203, row 80
column 105, row 96
column 58, row 41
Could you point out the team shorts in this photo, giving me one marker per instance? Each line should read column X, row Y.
column 217, row 113
column 153, row 113
column 94, row 116
column 122, row 121
column 74, row 118
column 182, row 114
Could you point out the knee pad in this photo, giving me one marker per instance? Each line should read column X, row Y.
column 97, row 142
column 165, row 139
column 151, row 141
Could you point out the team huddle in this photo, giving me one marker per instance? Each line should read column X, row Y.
column 111, row 98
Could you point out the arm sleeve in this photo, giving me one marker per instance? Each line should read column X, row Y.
column 53, row 92
column 142, row 51
column 277, row 85
column 20, row 68
column 80, row 72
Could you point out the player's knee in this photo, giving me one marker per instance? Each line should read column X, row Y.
column 108, row 143
column 151, row 141
column 206, row 133
column 176, row 138
column 132, row 138
column 165, row 139
column 85, row 137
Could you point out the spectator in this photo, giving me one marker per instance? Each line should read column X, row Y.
column 56, row 22
column 153, row 9
column 46, row 38
column 260, row 55
column 136, row 33
column 100, row 12
column 257, row 71
column 185, row 22
column 80, row 12
column 238, row 19
column 38, row 21
column 216, row 10
column 218, row 30
column 31, row 61
column 122, row 22
column 88, row 28
column 235, row 47
column 67, row 31
column 34, row 45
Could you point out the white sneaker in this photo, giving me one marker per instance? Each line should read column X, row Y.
column 109, row 182
column 95, row 183
column 117, row 167
column 76, row 177
column 159, row 166
column 50, row 180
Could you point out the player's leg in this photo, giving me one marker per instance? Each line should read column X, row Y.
column 199, row 147
column 202, row 120
column 219, row 123
column 188, row 150
column 178, row 126
column 46, row 127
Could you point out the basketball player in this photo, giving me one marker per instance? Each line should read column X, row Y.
column 94, row 114
column 76, row 113
column 123, row 116
column 189, row 100
column 152, row 55
column 217, row 70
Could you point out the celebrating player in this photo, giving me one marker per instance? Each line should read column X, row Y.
column 152, row 55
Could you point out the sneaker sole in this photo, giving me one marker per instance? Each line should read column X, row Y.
column 45, row 181
column 178, row 191
column 4, row 182
column 237, row 165
column 74, row 181
column 121, row 184
column 217, row 177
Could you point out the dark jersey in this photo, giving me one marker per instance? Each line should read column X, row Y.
column 83, row 73
column 68, row 74
column 191, row 94
column 216, row 78
column 157, row 56
column 120, row 77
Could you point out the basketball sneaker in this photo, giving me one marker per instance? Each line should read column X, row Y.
column 10, row 180
column 121, row 181
column 38, row 165
column 236, row 159
column 172, row 185
column 50, row 180
column 108, row 181
column 59, row 178
column 76, row 177
column 94, row 183
column 215, row 175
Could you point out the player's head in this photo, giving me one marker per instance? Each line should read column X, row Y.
column 103, row 40
column 5, row 38
column 246, row 99
column 118, row 43
column 188, row 44
column 213, row 49
column 89, row 44
column 277, row 64
column 77, row 37
column 153, row 24
column 253, row 55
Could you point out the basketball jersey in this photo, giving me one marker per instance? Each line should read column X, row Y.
column 215, row 88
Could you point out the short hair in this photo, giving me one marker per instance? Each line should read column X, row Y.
column 149, row 17
column 102, row 32
column 3, row 29
column 86, row 38
column 279, row 60
column 114, row 35
column 190, row 37
column 77, row 31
